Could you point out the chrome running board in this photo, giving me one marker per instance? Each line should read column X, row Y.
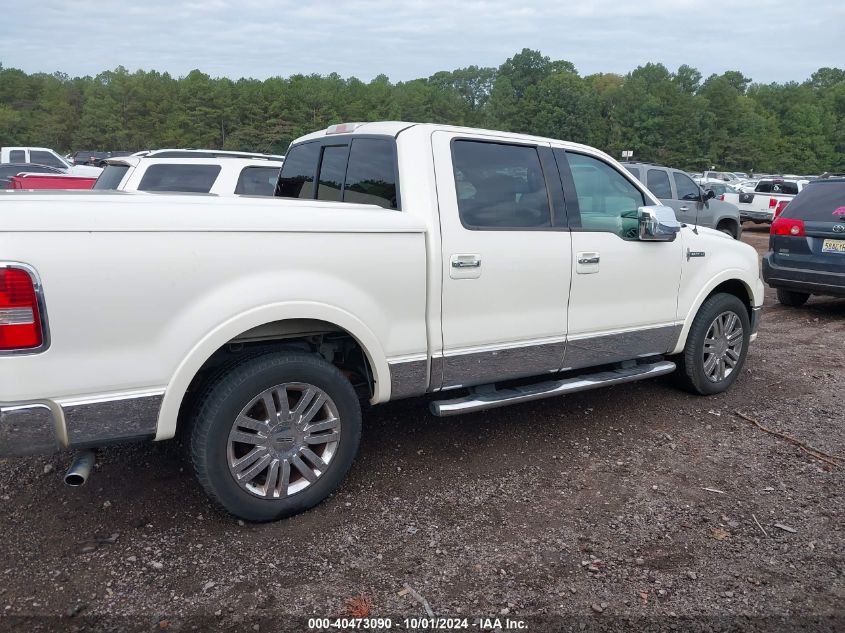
column 482, row 400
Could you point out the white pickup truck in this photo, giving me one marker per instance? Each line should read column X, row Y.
column 399, row 260
column 769, row 197
column 45, row 156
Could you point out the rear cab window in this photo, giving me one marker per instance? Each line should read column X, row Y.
column 346, row 169
column 185, row 178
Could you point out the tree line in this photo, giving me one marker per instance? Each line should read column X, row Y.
column 675, row 118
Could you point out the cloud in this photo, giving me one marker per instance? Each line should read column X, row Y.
column 769, row 40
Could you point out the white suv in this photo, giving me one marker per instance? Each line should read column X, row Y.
column 207, row 173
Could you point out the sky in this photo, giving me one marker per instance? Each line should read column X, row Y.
column 767, row 40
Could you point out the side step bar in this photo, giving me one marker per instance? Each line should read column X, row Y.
column 481, row 401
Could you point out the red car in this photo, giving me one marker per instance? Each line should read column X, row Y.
column 50, row 181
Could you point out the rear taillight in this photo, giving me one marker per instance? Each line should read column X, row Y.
column 20, row 317
column 788, row 226
column 722, row 197
column 772, row 203
column 781, row 206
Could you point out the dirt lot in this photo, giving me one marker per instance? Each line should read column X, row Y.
column 584, row 512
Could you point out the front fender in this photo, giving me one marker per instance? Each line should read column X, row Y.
column 724, row 260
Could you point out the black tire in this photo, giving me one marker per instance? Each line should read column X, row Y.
column 222, row 401
column 792, row 298
column 691, row 372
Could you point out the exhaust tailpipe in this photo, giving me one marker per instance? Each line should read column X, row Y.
column 80, row 468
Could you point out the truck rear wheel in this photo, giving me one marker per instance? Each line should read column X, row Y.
column 716, row 345
column 275, row 435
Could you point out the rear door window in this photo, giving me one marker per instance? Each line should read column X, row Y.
column 658, row 183
column 296, row 179
column 45, row 158
column 686, row 188
column 257, row 181
column 371, row 173
column 500, row 186
column 17, row 156
column 111, row 176
column 187, row 178
column 819, row 202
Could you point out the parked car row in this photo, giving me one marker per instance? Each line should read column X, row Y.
column 692, row 204
column 47, row 157
column 176, row 170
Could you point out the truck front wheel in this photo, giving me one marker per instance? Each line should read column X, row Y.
column 716, row 345
column 275, row 435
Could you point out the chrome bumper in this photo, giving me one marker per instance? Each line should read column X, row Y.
column 33, row 428
column 29, row 429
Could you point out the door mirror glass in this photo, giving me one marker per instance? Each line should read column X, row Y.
column 657, row 224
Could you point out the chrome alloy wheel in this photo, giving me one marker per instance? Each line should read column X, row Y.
column 722, row 346
column 283, row 440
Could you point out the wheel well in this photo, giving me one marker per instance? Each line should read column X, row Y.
column 738, row 289
column 728, row 222
column 325, row 339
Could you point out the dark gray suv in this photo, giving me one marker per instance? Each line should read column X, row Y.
column 691, row 203
column 807, row 244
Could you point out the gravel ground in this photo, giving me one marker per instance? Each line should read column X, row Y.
column 587, row 512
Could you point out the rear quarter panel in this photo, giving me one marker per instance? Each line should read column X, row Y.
column 142, row 299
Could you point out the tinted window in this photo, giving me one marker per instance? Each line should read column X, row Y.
column 821, row 201
column 789, row 188
column 607, row 200
column 500, row 186
column 188, row 178
column 687, row 189
column 370, row 176
column 257, row 181
column 111, row 176
column 658, row 183
column 297, row 177
column 17, row 156
column 332, row 172
column 8, row 170
column 45, row 158
column 634, row 171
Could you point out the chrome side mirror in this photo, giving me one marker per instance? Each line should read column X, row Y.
column 657, row 223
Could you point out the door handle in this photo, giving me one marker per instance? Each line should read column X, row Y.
column 466, row 263
column 589, row 260
column 684, row 208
